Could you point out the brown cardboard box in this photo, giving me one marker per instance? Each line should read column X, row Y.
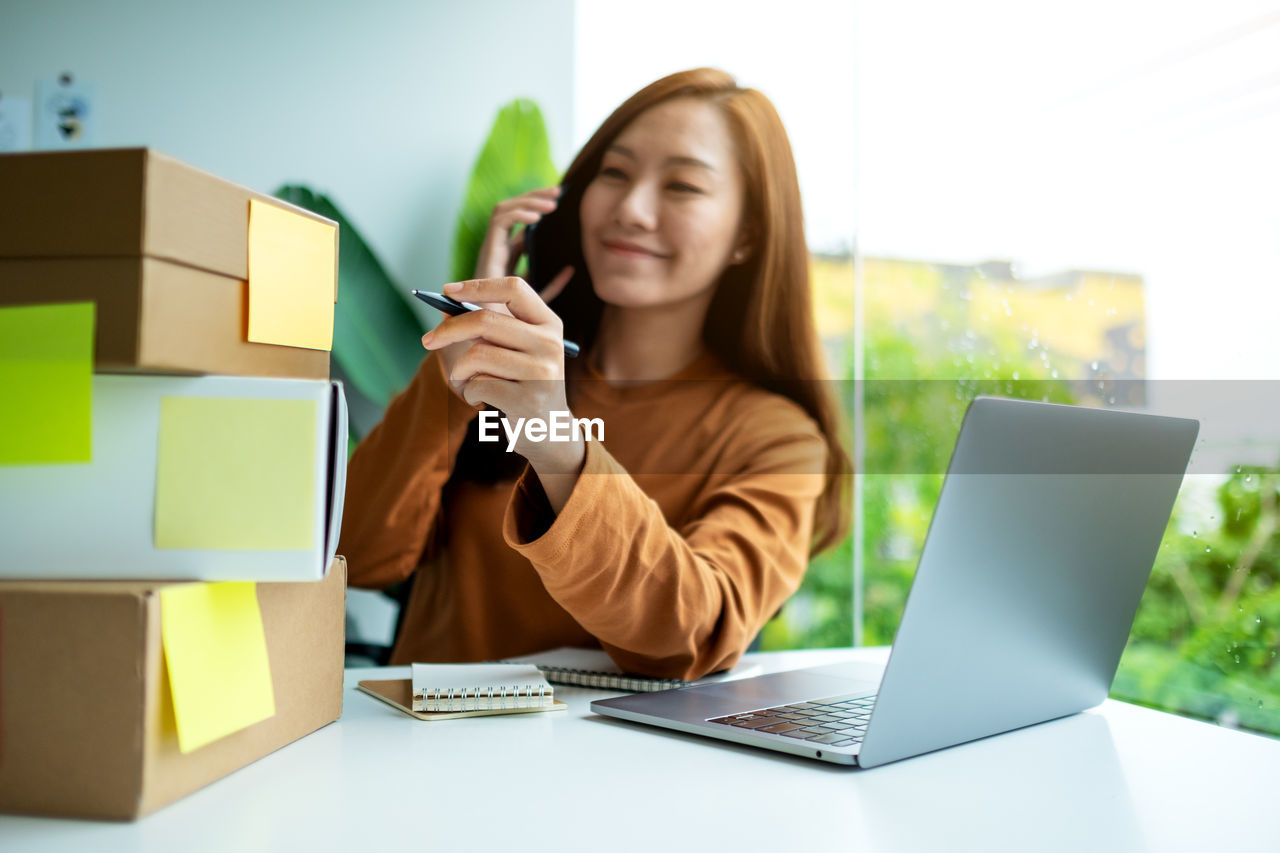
column 162, row 247
column 159, row 316
column 86, row 723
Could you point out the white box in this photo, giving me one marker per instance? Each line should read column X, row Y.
column 97, row 520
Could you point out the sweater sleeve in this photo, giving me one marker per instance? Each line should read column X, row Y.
column 677, row 603
column 395, row 478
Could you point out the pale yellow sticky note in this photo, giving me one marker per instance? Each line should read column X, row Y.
column 46, row 383
column 291, row 275
column 215, row 651
column 236, row 474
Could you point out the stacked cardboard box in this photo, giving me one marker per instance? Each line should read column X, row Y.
column 88, row 719
column 115, row 485
column 160, row 247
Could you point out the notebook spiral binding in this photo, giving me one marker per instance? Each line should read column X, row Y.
column 484, row 698
column 610, row 680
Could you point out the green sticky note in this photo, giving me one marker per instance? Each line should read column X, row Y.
column 46, row 383
column 215, row 651
column 236, row 474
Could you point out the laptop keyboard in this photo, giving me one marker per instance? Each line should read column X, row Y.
column 838, row 721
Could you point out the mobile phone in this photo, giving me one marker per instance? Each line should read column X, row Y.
column 549, row 243
column 453, row 308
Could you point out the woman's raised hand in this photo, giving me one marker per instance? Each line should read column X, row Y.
column 501, row 250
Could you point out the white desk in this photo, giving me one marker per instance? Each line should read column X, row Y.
column 1117, row 778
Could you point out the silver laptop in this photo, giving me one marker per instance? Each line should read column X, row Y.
column 1039, row 550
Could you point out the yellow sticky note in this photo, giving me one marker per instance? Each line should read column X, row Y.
column 215, row 651
column 46, row 383
column 236, row 474
column 291, row 276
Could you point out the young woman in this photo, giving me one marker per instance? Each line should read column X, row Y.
column 675, row 538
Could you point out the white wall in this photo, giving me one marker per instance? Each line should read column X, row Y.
column 382, row 104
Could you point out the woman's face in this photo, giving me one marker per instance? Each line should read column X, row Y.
column 662, row 218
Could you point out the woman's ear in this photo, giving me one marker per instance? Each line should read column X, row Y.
column 748, row 238
column 744, row 246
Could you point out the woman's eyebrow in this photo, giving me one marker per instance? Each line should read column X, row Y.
column 670, row 161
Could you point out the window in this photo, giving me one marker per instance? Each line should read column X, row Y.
column 1074, row 202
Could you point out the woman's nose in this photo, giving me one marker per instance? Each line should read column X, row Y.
column 638, row 207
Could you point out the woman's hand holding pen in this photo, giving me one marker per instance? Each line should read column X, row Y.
column 511, row 354
column 515, row 363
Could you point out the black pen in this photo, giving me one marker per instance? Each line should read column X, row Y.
column 453, row 308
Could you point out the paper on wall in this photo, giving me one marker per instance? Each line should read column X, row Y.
column 64, row 113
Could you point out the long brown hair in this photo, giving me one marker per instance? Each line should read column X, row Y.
column 760, row 322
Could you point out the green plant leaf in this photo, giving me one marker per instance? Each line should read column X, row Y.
column 376, row 336
column 516, row 158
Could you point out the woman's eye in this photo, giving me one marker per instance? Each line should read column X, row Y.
column 682, row 187
column 612, row 172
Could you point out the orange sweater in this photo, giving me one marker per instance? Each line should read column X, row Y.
column 688, row 528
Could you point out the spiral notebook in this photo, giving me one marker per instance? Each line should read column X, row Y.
column 449, row 691
column 594, row 668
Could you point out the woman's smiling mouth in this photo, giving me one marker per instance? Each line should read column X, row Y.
column 630, row 250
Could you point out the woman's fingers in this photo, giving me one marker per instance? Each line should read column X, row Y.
column 552, row 193
column 527, row 208
column 485, row 359
column 504, row 222
column 496, row 252
column 480, row 387
column 486, row 390
column 515, row 248
column 492, row 326
column 511, row 291
column 557, row 284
